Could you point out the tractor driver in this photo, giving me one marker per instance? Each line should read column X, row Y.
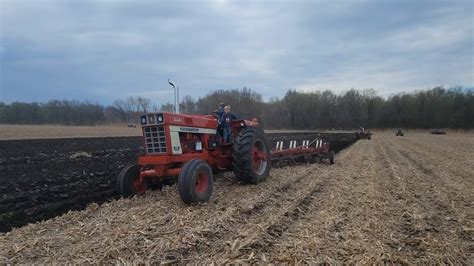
column 225, row 122
column 220, row 109
column 218, row 114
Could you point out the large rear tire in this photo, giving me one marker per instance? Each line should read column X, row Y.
column 195, row 182
column 128, row 182
column 251, row 156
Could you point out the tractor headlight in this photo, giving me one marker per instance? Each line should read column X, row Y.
column 242, row 124
column 143, row 119
column 198, row 146
column 159, row 118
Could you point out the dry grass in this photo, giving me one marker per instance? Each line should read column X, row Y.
column 390, row 199
column 10, row 132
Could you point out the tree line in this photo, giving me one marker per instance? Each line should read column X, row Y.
column 53, row 112
column 437, row 107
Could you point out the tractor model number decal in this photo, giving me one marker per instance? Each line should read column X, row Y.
column 189, row 129
column 195, row 130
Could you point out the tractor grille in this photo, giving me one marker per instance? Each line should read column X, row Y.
column 155, row 139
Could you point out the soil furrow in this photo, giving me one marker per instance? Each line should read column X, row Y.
column 402, row 207
column 264, row 241
column 424, row 197
column 243, row 221
column 439, row 158
column 215, row 232
column 445, row 176
column 256, row 247
column 386, row 201
column 257, row 217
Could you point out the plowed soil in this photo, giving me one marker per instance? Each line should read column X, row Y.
column 390, row 199
column 43, row 178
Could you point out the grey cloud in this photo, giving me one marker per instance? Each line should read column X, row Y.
column 100, row 50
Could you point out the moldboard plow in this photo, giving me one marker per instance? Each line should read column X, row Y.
column 307, row 151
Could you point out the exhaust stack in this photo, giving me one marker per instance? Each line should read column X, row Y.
column 176, row 96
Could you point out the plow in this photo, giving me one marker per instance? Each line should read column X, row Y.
column 188, row 150
column 307, row 151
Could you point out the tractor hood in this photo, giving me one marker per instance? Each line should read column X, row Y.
column 202, row 121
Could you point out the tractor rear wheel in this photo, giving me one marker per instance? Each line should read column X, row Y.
column 128, row 182
column 332, row 157
column 195, row 182
column 251, row 156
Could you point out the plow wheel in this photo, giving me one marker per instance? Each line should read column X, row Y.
column 332, row 157
column 128, row 182
column 195, row 182
column 251, row 156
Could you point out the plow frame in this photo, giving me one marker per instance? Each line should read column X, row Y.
column 321, row 149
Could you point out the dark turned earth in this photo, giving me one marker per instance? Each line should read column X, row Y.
column 43, row 178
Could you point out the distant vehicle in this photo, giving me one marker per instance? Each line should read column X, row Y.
column 438, row 131
column 399, row 133
column 363, row 134
column 131, row 125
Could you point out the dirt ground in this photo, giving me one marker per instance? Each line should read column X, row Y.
column 43, row 178
column 390, row 199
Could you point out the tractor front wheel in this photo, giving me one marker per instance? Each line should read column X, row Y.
column 195, row 182
column 128, row 182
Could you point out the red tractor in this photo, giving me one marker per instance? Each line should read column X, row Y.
column 187, row 148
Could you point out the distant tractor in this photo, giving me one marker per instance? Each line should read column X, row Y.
column 438, row 131
column 363, row 134
column 187, row 149
column 399, row 132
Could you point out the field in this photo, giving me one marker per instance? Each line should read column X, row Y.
column 390, row 199
column 42, row 178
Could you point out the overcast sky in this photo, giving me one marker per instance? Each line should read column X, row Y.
column 103, row 50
